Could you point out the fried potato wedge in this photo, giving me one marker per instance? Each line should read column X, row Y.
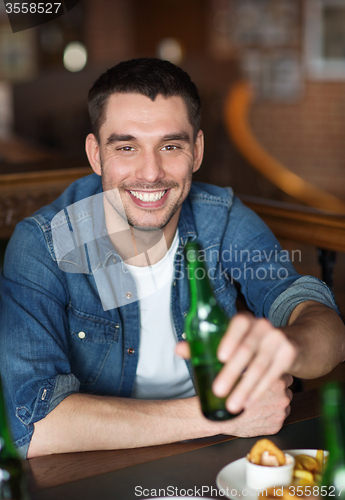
column 320, row 458
column 305, row 475
column 308, row 463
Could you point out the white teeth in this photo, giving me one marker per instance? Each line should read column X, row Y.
column 148, row 196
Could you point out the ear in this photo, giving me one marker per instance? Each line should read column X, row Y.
column 93, row 153
column 198, row 150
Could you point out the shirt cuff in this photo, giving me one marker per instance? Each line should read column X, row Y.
column 50, row 394
column 301, row 290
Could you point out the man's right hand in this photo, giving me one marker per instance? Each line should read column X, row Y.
column 265, row 416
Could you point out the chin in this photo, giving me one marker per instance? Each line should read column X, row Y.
column 145, row 226
column 148, row 224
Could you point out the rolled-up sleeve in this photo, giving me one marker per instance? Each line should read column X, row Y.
column 50, row 394
column 35, row 369
column 301, row 290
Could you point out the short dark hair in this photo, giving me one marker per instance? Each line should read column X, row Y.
column 147, row 76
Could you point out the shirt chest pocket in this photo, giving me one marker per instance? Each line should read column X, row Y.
column 90, row 341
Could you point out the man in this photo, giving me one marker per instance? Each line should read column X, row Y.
column 87, row 365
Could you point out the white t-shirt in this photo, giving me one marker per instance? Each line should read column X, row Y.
column 160, row 373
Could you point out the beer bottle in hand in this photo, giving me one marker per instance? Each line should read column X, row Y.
column 205, row 325
column 12, row 477
column 334, row 475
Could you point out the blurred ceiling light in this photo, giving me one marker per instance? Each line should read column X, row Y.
column 75, row 56
column 170, row 49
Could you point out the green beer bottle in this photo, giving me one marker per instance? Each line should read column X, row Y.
column 334, row 475
column 12, row 477
column 205, row 325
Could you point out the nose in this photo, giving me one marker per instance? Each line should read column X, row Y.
column 150, row 168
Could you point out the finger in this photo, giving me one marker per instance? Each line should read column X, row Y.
column 242, row 357
column 288, row 379
column 182, row 349
column 237, row 399
column 288, row 410
column 237, row 330
column 282, row 361
column 289, row 394
column 264, row 369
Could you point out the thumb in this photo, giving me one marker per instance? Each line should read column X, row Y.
column 182, row 349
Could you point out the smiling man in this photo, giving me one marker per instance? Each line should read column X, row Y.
column 94, row 290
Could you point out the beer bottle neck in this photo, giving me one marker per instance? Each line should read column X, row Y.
column 200, row 287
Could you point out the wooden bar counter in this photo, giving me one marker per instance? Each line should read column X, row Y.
column 53, row 470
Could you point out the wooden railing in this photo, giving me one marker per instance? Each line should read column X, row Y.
column 236, row 113
column 21, row 194
column 301, row 224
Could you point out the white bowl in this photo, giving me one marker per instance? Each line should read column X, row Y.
column 260, row 477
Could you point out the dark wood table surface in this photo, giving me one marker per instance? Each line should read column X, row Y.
column 183, row 465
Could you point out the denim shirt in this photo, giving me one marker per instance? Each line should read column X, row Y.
column 58, row 337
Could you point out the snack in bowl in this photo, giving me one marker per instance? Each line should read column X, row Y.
column 307, row 476
column 267, row 466
column 308, row 470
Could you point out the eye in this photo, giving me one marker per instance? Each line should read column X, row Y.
column 126, row 148
column 170, row 147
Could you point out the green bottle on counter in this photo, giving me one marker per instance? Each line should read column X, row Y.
column 334, row 475
column 12, row 476
column 205, row 326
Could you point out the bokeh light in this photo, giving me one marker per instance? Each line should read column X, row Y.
column 75, row 56
column 170, row 49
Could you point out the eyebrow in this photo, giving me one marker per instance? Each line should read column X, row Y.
column 179, row 136
column 119, row 138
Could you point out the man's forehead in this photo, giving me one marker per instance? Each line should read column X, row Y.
column 138, row 108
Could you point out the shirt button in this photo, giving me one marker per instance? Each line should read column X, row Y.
column 128, row 295
column 114, row 260
column 130, row 350
column 82, row 335
column 184, row 336
column 174, row 284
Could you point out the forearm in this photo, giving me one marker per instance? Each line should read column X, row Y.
column 319, row 335
column 84, row 422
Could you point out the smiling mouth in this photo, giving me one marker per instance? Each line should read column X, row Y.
column 148, row 197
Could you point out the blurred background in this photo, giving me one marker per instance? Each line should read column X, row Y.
column 292, row 52
column 271, row 75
